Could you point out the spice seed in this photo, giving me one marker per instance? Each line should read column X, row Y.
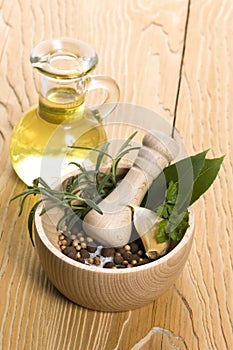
column 73, row 237
column 118, row 259
column 97, row 260
column 92, row 248
column 127, row 256
column 107, row 252
column 75, row 243
column 120, row 250
column 134, row 247
column 83, row 245
column 84, row 254
column 90, row 261
column 109, row 265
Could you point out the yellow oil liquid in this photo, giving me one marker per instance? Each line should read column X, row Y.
column 39, row 142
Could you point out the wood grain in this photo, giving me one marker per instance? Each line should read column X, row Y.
column 206, row 106
column 140, row 44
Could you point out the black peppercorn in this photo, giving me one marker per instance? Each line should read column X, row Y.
column 109, row 265
column 84, row 254
column 118, row 259
column 107, row 252
column 92, row 247
column 134, row 247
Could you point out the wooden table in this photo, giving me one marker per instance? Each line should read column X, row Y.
column 169, row 56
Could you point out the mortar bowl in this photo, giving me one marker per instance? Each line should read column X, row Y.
column 103, row 289
column 114, row 290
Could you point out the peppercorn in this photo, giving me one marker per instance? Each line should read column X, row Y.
column 127, row 247
column 135, row 257
column 134, row 247
column 107, row 252
column 70, row 252
column 61, row 237
column 140, row 252
column 83, row 245
column 91, row 261
column 143, row 261
column 68, row 241
column 84, row 254
column 125, row 262
column 120, row 250
column 64, row 242
column 75, row 243
column 118, row 259
column 127, row 256
column 92, row 247
column 97, row 260
column 73, row 237
column 109, row 265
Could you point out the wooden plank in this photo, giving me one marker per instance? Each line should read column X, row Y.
column 139, row 44
column 205, row 121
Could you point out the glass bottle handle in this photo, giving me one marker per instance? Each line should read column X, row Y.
column 113, row 93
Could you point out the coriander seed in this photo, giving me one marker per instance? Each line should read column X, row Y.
column 75, row 243
column 91, row 261
column 127, row 247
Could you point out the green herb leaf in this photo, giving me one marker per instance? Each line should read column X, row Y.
column 93, row 205
column 162, row 235
column 102, row 153
column 194, row 176
column 31, row 219
column 187, row 167
column 206, row 177
column 125, row 144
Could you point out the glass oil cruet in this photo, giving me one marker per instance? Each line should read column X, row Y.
column 40, row 140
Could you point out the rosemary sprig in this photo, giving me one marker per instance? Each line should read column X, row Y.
column 82, row 192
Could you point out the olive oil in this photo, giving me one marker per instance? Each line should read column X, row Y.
column 62, row 104
column 39, row 143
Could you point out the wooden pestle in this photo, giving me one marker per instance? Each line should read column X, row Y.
column 113, row 227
